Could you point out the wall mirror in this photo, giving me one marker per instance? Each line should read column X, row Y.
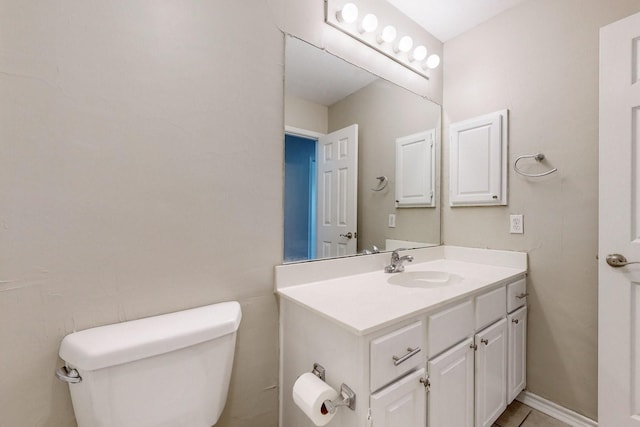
column 342, row 125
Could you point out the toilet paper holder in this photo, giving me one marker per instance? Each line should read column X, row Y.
column 347, row 396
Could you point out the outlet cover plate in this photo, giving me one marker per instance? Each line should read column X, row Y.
column 516, row 224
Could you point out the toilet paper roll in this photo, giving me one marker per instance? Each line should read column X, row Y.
column 309, row 393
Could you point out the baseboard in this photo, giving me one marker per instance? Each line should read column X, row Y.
column 554, row 410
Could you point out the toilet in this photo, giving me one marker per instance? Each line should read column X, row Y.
column 171, row 370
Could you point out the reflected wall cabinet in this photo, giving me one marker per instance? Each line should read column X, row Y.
column 416, row 170
column 478, row 160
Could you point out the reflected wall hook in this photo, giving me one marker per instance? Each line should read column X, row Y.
column 382, row 183
column 538, row 158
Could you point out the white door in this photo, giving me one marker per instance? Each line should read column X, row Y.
column 402, row 404
column 337, row 165
column 451, row 390
column 491, row 373
column 619, row 229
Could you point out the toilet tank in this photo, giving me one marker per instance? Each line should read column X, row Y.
column 170, row 370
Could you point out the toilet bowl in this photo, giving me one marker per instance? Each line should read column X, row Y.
column 171, row 370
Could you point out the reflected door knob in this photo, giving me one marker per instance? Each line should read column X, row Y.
column 349, row 235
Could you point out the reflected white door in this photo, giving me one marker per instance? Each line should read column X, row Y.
column 619, row 230
column 337, row 166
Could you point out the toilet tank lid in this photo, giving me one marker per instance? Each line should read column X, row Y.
column 111, row 345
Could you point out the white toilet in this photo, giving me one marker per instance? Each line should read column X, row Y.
column 171, row 370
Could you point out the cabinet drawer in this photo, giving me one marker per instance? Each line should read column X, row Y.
column 516, row 294
column 397, row 353
column 490, row 307
column 449, row 327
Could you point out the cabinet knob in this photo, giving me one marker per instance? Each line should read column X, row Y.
column 516, row 321
column 473, row 347
column 484, row 341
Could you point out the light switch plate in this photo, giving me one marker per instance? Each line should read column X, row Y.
column 392, row 220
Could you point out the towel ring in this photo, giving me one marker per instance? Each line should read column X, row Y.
column 538, row 158
column 382, row 183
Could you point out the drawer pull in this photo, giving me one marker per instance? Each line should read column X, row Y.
column 522, row 296
column 400, row 359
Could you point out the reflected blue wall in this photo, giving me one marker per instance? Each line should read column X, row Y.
column 299, row 198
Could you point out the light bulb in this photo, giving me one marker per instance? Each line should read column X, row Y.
column 369, row 23
column 348, row 13
column 387, row 35
column 433, row 61
column 404, row 44
column 419, row 54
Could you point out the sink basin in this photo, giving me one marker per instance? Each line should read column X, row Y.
column 424, row 279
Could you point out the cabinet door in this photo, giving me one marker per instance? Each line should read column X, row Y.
column 491, row 373
column 478, row 161
column 451, row 392
column 401, row 404
column 416, row 170
column 517, row 370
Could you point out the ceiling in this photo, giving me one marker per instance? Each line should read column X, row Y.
column 446, row 19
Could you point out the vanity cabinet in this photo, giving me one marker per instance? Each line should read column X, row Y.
column 456, row 365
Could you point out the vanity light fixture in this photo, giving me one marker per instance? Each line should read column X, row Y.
column 419, row 54
column 368, row 24
column 348, row 14
column 401, row 48
column 404, row 44
column 433, row 61
column 387, row 35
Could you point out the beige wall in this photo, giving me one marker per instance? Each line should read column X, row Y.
column 540, row 60
column 302, row 114
column 141, row 173
column 384, row 112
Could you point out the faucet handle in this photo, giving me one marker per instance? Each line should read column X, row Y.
column 395, row 255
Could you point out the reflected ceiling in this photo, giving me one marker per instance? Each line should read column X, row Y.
column 324, row 79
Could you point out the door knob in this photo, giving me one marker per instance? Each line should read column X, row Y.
column 618, row 260
column 349, row 235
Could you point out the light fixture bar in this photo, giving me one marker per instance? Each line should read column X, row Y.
column 386, row 38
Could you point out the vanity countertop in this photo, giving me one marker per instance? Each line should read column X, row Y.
column 366, row 302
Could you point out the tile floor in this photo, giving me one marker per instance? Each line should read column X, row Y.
column 520, row 415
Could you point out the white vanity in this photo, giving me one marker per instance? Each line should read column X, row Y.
column 442, row 344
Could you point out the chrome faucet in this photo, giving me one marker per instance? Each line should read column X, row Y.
column 396, row 265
